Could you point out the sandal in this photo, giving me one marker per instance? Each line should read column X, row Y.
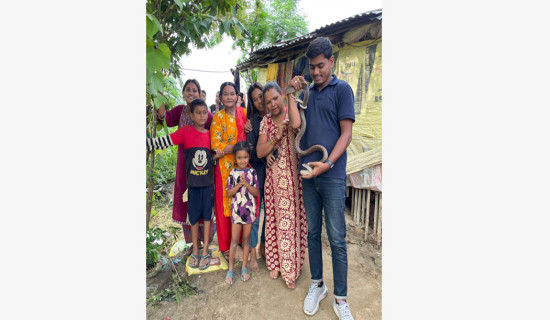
column 189, row 250
column 205, row 266
column 229, row 275
column 243, row 272
column 196, row 264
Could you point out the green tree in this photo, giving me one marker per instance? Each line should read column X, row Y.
column 267, row 22
column 173, row 27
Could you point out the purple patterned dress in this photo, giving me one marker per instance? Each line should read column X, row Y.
column 243, row 203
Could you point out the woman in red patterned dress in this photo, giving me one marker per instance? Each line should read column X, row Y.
column 286, row 227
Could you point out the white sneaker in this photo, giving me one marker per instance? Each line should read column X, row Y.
column 314, row 296
column 342, row 310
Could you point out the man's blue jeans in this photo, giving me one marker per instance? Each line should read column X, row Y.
column 328, row 195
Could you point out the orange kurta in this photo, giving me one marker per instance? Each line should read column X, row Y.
column 224, row 130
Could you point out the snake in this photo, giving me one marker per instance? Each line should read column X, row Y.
column 302, row 105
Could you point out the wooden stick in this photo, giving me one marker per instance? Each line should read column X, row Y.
column 358, row 205
column 364, row 207
column 379, row 232
column 376, row 222
column 354, row 202
column 356, row 216
column 361, row 208
column 368, row 215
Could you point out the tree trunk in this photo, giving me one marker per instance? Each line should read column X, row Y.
column 151, row 168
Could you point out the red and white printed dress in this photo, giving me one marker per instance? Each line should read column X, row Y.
column 286, row 226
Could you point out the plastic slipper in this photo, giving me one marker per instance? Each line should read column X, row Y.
column 229, row 274
column 209, row 257
column 243, row 272
column 196, row 264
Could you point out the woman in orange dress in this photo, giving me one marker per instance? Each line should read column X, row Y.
column 286, row 227
column 226, row 130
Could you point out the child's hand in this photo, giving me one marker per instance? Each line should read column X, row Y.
column 244, row 183
column 219, row 154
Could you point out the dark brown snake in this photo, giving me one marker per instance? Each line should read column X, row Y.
column 316, row 147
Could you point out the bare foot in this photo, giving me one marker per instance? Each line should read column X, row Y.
column 274, row 274
column 226, row 255
column 290, row 285
column 254, row 265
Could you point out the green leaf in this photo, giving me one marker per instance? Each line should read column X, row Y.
column 157, row 59
column 206, row 23
column 165, row 50
column 158, row 100
column 179, row 3
column 156, row 84
column 156, row 25
column 214, row 8
column 226, row 26
column 151, row 28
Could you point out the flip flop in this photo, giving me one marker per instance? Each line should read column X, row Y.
column 209, row 257
column 229, row 274
column 243, row 272
column 189, row 250
column 196, row 264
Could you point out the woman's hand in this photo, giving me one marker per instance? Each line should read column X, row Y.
column 161, row 112
column 281, row 128
column 228, row 149
column 247, row 127
column 270, row 159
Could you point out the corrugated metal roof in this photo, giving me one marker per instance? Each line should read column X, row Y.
column 322, row 31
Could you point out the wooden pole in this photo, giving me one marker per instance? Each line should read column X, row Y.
column 356, row 216
column 151, row 169
column 379, row 231
column 376, row 222
column 364, row 206
column 361, row 208
column 357, row 203
column 353, row 201
column 368, row 215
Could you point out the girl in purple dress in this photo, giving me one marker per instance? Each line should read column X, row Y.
column 242, row 188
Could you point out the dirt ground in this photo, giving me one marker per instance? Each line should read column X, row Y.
column 264, row 298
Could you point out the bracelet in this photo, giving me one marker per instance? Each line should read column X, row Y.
column 273, row 141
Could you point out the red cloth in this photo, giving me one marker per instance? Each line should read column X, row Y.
column 223, row 223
